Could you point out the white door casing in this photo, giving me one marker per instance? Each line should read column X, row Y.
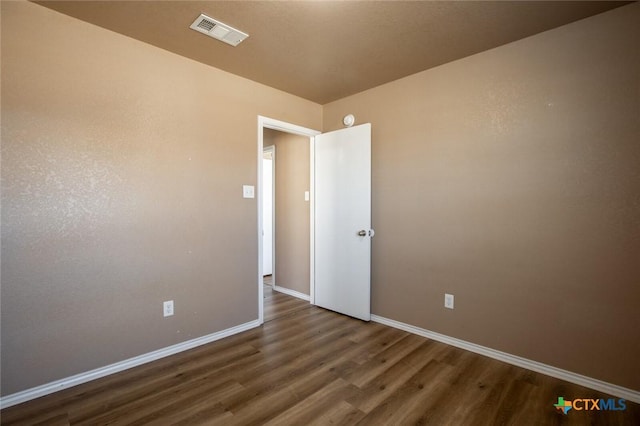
column 268, row 181
column 270, row 123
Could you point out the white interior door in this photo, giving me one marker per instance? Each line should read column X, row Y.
column 267, row 212
column 343, row 221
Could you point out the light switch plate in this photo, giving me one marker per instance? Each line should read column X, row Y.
column 248, row 191
column 306, row 195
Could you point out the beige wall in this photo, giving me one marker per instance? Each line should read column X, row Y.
column 512, row 180
column 122, row 174
column 292, row 211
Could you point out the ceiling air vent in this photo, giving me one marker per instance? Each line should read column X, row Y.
column 216, row 29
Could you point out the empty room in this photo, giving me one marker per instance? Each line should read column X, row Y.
column 320, row 212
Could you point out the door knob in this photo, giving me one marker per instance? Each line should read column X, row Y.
column 362, row 233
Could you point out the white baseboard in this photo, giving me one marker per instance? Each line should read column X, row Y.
column 608, row 388
column 58, row 385
column 292, row 293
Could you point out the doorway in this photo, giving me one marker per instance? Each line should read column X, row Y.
column 265, row 125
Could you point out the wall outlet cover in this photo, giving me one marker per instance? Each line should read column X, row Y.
column 448, row 301
column 167, row 308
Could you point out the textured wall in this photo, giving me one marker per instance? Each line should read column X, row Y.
column 512, row 180
column 122, row 174
column 292, row 211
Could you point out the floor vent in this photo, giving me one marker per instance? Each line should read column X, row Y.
column 218, row 30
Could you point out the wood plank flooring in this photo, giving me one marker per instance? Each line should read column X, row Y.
column 309, row 366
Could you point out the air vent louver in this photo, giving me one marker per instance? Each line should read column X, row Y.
column 206, row 25
column 218, row 30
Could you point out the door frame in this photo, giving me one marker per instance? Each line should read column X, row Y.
column 272, row 151
column 282, row 126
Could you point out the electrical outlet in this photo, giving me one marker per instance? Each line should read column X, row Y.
column 167, row 308
column 448, row 301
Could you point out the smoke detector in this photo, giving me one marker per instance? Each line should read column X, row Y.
column 218, row 30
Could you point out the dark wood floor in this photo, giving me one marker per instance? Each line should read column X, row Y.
column 307, row 365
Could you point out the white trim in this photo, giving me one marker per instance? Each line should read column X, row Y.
column 283, row 126
column 272, row 150
column 259, row 189
column 538, row 367
column 291, row 292
column 78, row 379
column 270, row 123
column 312, row 220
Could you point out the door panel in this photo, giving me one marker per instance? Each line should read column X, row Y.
column 342, row 210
